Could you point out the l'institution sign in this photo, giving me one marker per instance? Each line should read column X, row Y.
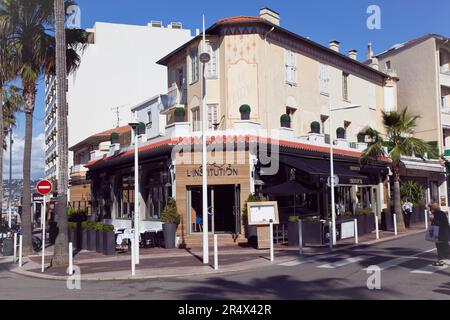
column 44, row 187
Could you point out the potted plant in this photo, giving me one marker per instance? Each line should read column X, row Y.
column 91, row 235
column 315, row 127
column 114, row 138
column 179, row 114
column 141, row 128
column 84, row 236
column 109, row 240
column 99, row 237
column 292, row 231
column 340, row 133
column 170, row 218
column 72, row 227
column 245, row 112
column 285, row 120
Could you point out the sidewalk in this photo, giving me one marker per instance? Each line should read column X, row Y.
column 158, row 263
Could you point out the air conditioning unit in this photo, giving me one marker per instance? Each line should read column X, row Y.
column 156, row 24
column 175, row 25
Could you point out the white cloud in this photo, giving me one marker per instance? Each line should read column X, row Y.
column 37, row 158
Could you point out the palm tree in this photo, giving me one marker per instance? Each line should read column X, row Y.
column 399, row 141
column 30, row 34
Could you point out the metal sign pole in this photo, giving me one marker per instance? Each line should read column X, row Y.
column 43, row 221
column 216, row 253
column 271, row 240
column 300, row 236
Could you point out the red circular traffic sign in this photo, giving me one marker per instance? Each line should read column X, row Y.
column 44, row 187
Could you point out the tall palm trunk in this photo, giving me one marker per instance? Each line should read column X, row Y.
column 30, row 98
column 60, row 257
column 397, row 204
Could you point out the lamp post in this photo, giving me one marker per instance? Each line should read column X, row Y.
column 10, row 176
column 204, row 59
column 332, row 178
column 135, row 248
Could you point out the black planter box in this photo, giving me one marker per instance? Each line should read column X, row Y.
column 245, row 115
column 387, row 221
column 84, row 239
column 169, row 230
column 292, row 234
column 312, row 232
column 251, row 235
column 99, row 242
column 109, row 243
column 91, row 240
column 71, row 235
column 8, row 247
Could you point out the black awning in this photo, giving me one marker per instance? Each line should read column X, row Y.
column 348, row 172
column 287, row 189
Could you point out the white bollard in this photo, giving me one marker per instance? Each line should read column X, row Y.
column 300, row 236
column 216, row 253
column 395, row 224
column 15, row 248
column 70, row 258
column 133, row 265
column 20, row 251
column 330, row 227
column 356, row 232
column 377, row 228
column 426, row 219
column 271, row 240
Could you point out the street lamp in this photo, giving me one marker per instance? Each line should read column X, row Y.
column 204, row 59
column 135, row 248
column 332, row 177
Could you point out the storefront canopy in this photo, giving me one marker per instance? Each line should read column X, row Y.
column 287, row 189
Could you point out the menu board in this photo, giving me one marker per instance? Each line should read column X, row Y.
column 261, row 213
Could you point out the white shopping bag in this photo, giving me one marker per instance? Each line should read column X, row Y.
column 432, row 234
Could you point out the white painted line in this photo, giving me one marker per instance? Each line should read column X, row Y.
column 300, row 261
column 393, row 263
column 429, row 269
column 343, row 262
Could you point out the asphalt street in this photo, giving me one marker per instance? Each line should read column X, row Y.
column 403, row 264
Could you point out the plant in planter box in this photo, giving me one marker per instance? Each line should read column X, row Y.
column 99, row 237
column 340, row 133
column 366, row 222
column 141, row 128
column 84, row 236
column 109, row 240
column 179, row 114
column 285, row 121
column 293, row 231
column 91, row 235
column 315, row 127
column 72, row 226
column 171, row 219
column 245, row 112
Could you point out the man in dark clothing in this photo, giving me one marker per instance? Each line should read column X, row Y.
column 439, row 218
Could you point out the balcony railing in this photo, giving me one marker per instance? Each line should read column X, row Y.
column 176, row 96
column 51, row 126
column 50, row 149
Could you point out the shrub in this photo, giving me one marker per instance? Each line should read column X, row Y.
column 90, row 225
column 71, row 225
column 141, row 128
column 114, row 137
column 315, row 127
column 108, row 227
column 98, row 226
column 312, row 219
column 76, row 215
column 170, row 213
column 285, row 118
column 363, row 211
column 84, row 225
column 413, row 191
column 340, row 132
column 245, row 108
column 180, row 111
column 293, row 219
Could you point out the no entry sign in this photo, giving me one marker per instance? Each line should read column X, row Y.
column 44, row 187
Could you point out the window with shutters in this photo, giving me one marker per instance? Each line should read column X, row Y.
column 150, row 119
column 196, row 124
column 213, row 116
column 290, row 67
column 212, row 66
column 372, row 96
column 345, row 86
column 194, row 65
column 389, row 105
column 324, row 79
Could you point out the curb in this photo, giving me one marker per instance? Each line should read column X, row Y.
column 210, row 271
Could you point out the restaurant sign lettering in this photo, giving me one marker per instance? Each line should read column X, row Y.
column 213, row 171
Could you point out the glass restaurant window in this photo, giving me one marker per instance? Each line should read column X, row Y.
column 126, row 194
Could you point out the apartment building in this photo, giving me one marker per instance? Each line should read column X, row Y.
column 117, row 71
column 423, row 65
column 279, row 75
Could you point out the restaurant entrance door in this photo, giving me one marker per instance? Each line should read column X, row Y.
column 224, row 213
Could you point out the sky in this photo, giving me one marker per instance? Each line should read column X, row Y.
column 320, row 20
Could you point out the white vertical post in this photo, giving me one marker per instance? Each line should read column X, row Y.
column 133, row 265
column 356, row 232
column 15, row 248
column 216, row 253
column 395, row 224
column 136, row 195
column 426, row 219
column 300, row 236
column 271, row 240
column 204, row 159
column 330, row 226
column 43, row 221
column 333, row 205
column 377, row 228
column 70, row 258
column 20, row 250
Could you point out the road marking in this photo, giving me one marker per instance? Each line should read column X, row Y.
column 307, row 259
column 429, row 269
column 393, row 263
column 343, row 262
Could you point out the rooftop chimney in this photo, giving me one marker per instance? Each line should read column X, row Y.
column 369, row 51
column 353, row 54
column 270, row 15
column 334, row 45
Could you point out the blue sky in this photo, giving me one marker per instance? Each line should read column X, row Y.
column 321, row 20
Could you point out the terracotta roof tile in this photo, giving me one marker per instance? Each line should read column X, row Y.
column 240, row 19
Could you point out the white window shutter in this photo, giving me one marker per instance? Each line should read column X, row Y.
column 287, row 65
column 293, row 67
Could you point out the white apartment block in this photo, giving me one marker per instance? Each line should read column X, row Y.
column 118, row 70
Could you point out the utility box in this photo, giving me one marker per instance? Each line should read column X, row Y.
column 8, row 247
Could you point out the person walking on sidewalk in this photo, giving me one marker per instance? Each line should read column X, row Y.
column 439, row 218
column 407, row 212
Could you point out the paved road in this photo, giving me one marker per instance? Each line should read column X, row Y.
column 404, row 264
